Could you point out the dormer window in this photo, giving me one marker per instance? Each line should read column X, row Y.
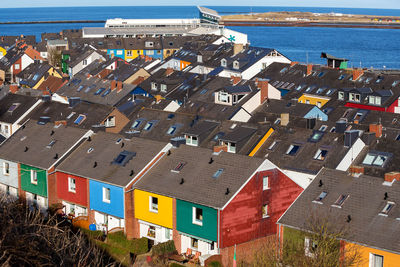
column 293, row 149
column 236, row 65
column 354, row 97
column 374, row 100
column 153, row 86
column 223, row 62
column 321, row 154
column 163, row 88
column 199, row 58
column 149, row 44
column 223, row 97
column 191, row 140
column 110, row 121
column 388, row 207
column 341, row 96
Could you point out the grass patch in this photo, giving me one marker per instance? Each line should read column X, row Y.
column 175, row 265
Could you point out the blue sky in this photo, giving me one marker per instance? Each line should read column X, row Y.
column 390, row 4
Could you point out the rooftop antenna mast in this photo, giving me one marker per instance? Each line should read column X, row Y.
column 307, row 57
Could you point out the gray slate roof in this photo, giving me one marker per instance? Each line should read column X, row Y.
column 364, row 204
column 105, row 150
column 25, row 103
column 36, row 138
column 199, row 185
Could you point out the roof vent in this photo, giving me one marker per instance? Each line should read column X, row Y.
column 320, row 183
column 122, row 144
column 227, row 191
column 132, row 172
column 386, row 196
column 56, row 156
column 182, row 181
column 26, row 149
column 52, row 132
column 95, row 164
column 211, row 161
column 89, row 139
column 348, row 218
column 169, row 152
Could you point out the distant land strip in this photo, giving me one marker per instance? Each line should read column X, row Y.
column 51, row 22
column 309, row 24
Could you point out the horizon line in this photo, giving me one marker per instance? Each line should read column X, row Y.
column 200, row 5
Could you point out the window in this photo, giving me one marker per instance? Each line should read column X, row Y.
column 179, row 167
column 231, row 147
column 119, row 52
column 153, row 205
column 13, row 107
column 321, row 154
column 16, row 66
column 194, row 242
column 339, row 202
column 85, row 62
column 375, row 260
column 191, row 140
column 198, row 216
column 223, row 97
column 6, row 168
column 307, row 101
column 321, row 196
column 136, row 124
column 34, row 177
column 151, row 232
column 265, row 183
column 80, row 119
column 273, row 145
column 150, row 52
column 323, row 128
column 163, row 88
column 124, row 157
column 375, row 159
column 218, row 173
column 293, row 149
column 374, row 100
column 106, row 195
column 341, row 95
column 265, row 211
column 71, row 185
column 99, row 91
column 236, row 65
column 153, row 86
column 172, row 130
column 341, row 77
column 129, row 53
column 223, row 62
column 51, row 144
column 167, row 234
column 110, row 121
column 148, row 126
column 388, row 207
column 319, row 104
column 71, row 115
column 310, row 246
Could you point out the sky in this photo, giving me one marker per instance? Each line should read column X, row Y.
column 389, row 4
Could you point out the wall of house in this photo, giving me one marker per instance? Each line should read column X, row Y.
column 120, row 121
column 77, row 68
column 352, row 154
column 41, row 187
column 80, row 196
column 116, row 205
column 25, row 62
column 389, row 259
column 142, row 209
column 6, row 129
column 262, row 63
column 315, row 112
column 139, row 73
column 3, row 52
column 242, row 220
column 184, row 64
column 185, row 224
column 116, row 53
column 10, row 179
column 313, row 100
column 134, row 54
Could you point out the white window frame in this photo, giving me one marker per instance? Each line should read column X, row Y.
column 151, row 208
column 192, row 140
column 341, row 95
column 266, row 183
column 129, row 53
column 17, row 66
column 163, row 88
column 105, row 189
column 6, row 168
column 34, row 179
column 194, row 219
column 154, row 86
column 71, row 185
column 265, row 211
column 372, row 260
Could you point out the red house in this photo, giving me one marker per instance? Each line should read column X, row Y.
column 249, row 219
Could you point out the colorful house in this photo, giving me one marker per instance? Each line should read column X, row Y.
column 359, row 207
column 36, row 149
column 210, row 203
column 105, row 167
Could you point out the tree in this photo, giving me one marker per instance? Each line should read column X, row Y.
column 322, row 245
column 54, row 57
column 27, row 238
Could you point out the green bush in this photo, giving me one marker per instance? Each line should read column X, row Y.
column 215, row 264
column 92, row 234
column 164, row 248
column 175, row 265
column 137, row 246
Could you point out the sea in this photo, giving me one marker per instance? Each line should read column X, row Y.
column 376, row 48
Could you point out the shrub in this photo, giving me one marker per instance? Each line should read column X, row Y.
column 215, row 264
column 175, row 265
column 163, row 248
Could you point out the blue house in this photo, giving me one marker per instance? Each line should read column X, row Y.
column 116, row 53
column 315, row 112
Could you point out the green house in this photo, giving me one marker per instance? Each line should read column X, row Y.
column 34, row 180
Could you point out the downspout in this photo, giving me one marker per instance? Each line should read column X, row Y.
column 218, row 230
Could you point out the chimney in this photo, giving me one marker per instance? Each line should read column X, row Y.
column 169, row 71
column 56, row 123
column 357, row 73
column 293, row 63
column 284, row 119
column 350, row 137
column 389, row 177
column 341, row 126
column 14, row 88
column 235, row 80
column 263, row 85
column 237, row 48
column 218, row 149
column 356, row 171
column 147, row 58
column 310, row 123
column 377, row 129
column 119, row 86
column 309, row 69
column 113, row 85
column 368, row 138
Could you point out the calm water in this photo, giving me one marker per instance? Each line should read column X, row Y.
column 368, row 47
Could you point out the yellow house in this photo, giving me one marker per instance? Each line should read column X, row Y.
column 153, row 208
column 372, row 257
column 169, row 52
column 132, row 54
column 3, row 52
column 315, row 100
column 52, row 72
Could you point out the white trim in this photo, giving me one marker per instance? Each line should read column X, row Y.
column 28, row 111
column 109, row 191
column 194, row 220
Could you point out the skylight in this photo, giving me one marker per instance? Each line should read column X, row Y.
column 179, row 167
column 107, row 92
column 273, row 145
column 321, row 154
column 13, row 107
column 35, row 77
column 149, row 125
column 341, row 77
column 293, row 149
column 388, row 207
column 137, row 123
column 80, row 88
column 80, row 119
column 339, row 202
column 99, row 91
column 172, row 129
column 51, row 144
column 376, row 159
column 123, row 158
column 316, row 136
column 71, row 115
column 321, row 196
column 218, row 173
